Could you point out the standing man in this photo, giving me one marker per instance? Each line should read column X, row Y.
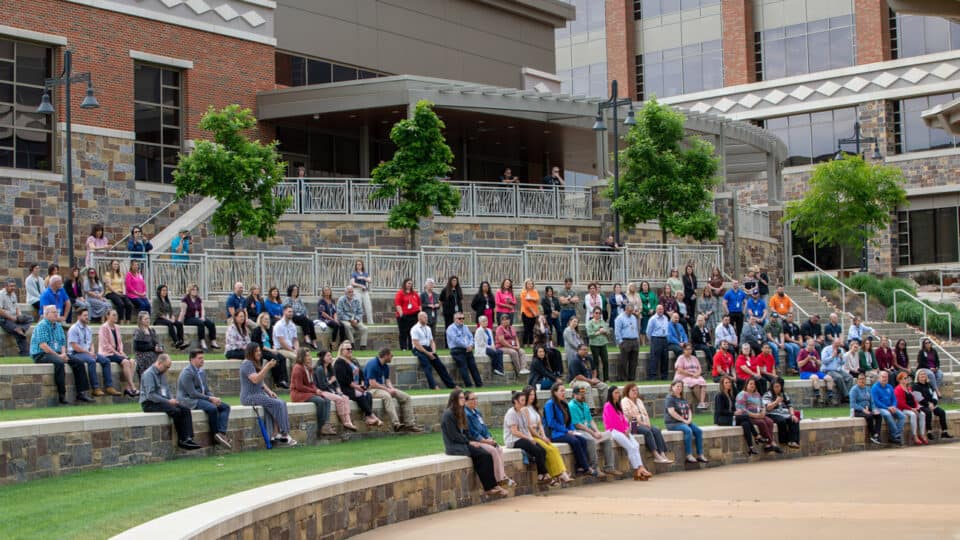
column 350, row 314
column 554, row 178
column 733, row 301
column 155, row 397
column 193, row 392
column 568, row 307
column 582, row 420
column 627, row 335
column 180, row 246
column 11, row 320
column 285, row 335
column 657, row 329
column 56, row 296
column 48, row 345
column 424, row 349
column 885, row 403
column 460, row 342
column 80, row 349
column 377, row 372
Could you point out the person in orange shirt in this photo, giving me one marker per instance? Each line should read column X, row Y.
column 529, row 309
column 780, row 302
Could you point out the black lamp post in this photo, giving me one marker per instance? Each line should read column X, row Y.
column 615, row 103
column 66, row 79
column 857, row 140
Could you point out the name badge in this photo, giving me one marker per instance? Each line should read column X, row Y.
column 163, row 392
column 409, row 305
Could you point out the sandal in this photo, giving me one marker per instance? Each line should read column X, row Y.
column 553, row 483
column 351, row 427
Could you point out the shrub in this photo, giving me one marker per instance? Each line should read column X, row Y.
column 825, row 284
column 911, row 312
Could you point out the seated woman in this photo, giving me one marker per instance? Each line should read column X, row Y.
column 300, row 316
column 541, row 373
column 116, row 293
column 886, row 359
column 254, row 393
column 868, row 361
column 110, row 344
column 453, row 428
column 146, row 346
column 780, row 410
column 930, row 405
column 725, row 413
column 254, row 303
column 478, row 432
column 677, row 417
column 615, row 422
column 192, row 313
column 163, row 316
column 901, row 358
column 327, row 311
column 237, row 336
column 723, row 362
column 910, row 408
column 274, row 305
column 687, row 370
column 571, row 337
column 928, row 359
column 516, row 434
column 543, row 337
column 302, row 389
column 636, row 414
column 668, row 300
column 750, row 403
column 263, row 338
column 74, row 287
column 136, row 288
column 351, row 380
column 485, row 341
column 326, row 381
column 555, row 465
column 97, row 303
column 558, row 423
column 507, row 344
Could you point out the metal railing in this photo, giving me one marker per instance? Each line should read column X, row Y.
column 940, row 274
column 152, row 217
column 843, row 288
column 477, row 199
column 752, row 221
column 215, row 271
column 926, row 308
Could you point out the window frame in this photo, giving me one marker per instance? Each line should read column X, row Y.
column 16, row 108
column 161, row 145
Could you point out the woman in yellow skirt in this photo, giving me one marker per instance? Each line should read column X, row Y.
column 555, row 465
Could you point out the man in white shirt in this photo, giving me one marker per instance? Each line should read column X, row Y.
column 11, row 320
column 80, row 349
column 424, row 349
column 285, row 335
column 858, row 332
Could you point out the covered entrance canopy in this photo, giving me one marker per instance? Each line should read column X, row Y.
column 342, row 129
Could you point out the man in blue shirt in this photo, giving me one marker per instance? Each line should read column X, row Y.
column 657, row 329
column 676, row 336
column 832, row 365
column 885, row 403
column 48, row 345
column 236, row 302
column 377, row 372
column 833, row 330
column 56, row 296
column 460, row 343
column 756, row 307
column 733, row 300
column 180, row 246
column 627, row 335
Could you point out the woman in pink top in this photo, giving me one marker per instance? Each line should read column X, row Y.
column 110, row 344
column 97, row 241
column 505, row 300
column 136, row 288
column 616, row 423
column 687, row 369
column 507, row 344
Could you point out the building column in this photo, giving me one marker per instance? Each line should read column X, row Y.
column 739, row 66
column 621, row 45
column 873, row 30
column 365, row 151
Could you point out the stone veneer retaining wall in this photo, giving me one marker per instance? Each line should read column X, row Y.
column 345, row 503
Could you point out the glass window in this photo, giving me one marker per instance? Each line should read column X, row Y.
column 293, row 70
column 157, row 121
column 26, row 137
column 645, row 9
column 913, row 133
column 805, row 48
column 933, row 236
column 681, row 70
column 916, row 35
column 812, row 137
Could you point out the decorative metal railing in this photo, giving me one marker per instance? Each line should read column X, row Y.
column 753, row 221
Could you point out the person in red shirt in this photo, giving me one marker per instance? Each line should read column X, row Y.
column 722, row 362
column 407, row 305
column 746, row 366
column 767, row 365
column 910, row 408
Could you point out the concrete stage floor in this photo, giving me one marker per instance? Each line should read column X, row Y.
column 894, row 494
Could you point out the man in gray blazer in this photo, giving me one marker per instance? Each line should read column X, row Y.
column 155, row 397
column 193, row 392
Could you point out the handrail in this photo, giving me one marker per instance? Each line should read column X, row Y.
column 148, row 220
column 925, row 309
column 940, row 273
column 953, row 359
column 843, row 288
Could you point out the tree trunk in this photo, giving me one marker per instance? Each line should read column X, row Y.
column 230, row 239
column 412, row 240
column 663, row 235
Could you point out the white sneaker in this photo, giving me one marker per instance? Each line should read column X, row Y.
column 524, row 371
column 498, row 372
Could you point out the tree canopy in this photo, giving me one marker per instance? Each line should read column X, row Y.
column 416, row 172
column 239, row 173
column 846, row 202
column 666, row 178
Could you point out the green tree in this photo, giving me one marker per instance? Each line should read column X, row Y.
column 239, row 173
column 666, row 177
column 416, row 171
column 847, row 201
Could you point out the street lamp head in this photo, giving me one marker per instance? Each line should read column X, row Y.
column 598, row 125
column 839, row 154
column 877, row 156
column 45, row 106
column 90, row 102
column 630, row 121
